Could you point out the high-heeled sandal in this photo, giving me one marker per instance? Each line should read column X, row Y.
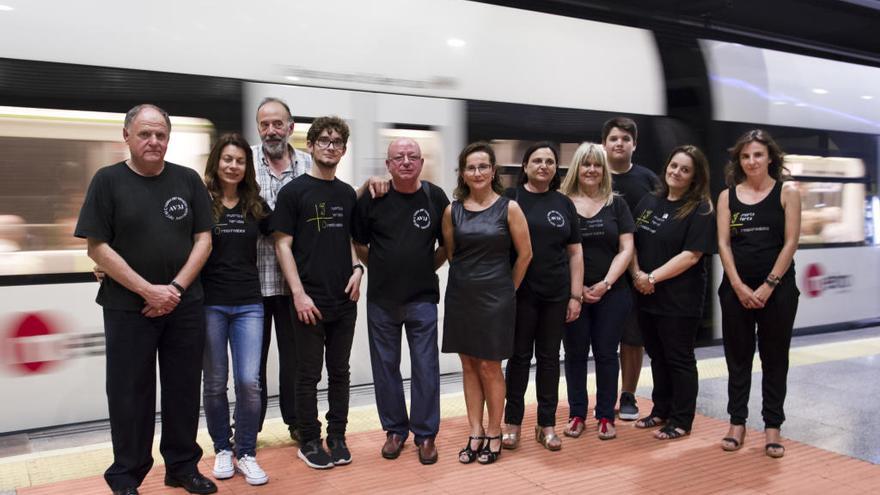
column 468, row 455
column 550, row 441
column 510, row 439
column 487, row 455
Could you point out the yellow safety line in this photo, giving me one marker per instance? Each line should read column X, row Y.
column 38, row 468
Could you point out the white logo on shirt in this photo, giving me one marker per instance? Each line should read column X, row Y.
column 422, row 219
column 556, row 219
column 176, row 208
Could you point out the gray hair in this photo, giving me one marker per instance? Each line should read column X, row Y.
column 272, row 99
column 133, row 113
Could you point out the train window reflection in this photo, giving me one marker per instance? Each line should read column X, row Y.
column 833, row 210
column 49, row 158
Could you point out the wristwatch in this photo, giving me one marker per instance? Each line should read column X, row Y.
column 651, row 278
column 607, row 284
column 178, row 287
column 358, row 266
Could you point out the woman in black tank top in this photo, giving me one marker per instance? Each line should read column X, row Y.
column 758, row 229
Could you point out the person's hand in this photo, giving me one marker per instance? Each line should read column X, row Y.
column 763, row 293
column 598, row 290
column 747, row 297
column 378, row 186
column 161, row 298
column 306, row 311
column 643, row 285
column 573, row 311
column 353, row 288
column 99, row 273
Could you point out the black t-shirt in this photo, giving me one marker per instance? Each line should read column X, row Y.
column 318, row 214
column 600, row 236
column 757, row 234
column 230, row 275
column 634, row 184
column 552, row 220
column 659, row 237
column 401, row 230
column 149, row 221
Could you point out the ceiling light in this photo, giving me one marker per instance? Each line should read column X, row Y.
column 292, row 78
column 455, row 42
column 779, row 102
column 6, row 8
column 820, row 91
column 867, row 97
column 800, row 104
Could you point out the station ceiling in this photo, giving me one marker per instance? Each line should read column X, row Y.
column 846, row 30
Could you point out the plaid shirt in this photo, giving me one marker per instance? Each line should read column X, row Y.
column 272, row 281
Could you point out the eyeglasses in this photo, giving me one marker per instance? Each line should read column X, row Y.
column 482, row 169
column 325, row 142
column 403, row 158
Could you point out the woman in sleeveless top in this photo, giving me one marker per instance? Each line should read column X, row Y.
column 606, row 226
column 549, row 296
column 675, row 228
column 479, row 229
column 758, row 229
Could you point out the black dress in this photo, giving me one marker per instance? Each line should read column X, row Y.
column 480, row 299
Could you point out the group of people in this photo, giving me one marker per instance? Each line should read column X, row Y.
column 196, row 267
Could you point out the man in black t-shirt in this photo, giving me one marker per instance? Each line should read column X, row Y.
column 147, row 222
column 398, row 235
column 632, row 181
column 312, row 224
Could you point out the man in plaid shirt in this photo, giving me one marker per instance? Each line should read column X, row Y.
column 277, row 163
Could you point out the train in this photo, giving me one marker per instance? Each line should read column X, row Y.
column 445, row 72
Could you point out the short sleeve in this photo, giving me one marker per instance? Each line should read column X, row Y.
column 203, row 218
column 625, row 223
column 360, row 225
column 265, row 224
column 286, row 210
column 701, row 230
column 96, row 216
column 575, row 233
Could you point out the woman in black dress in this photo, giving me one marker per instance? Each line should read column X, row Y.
column 549, row 296
column 674, row 229
column 479, row 229
column 758, row 229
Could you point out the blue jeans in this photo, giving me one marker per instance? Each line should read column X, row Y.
column 241, row 329
column 384, row 324
column 599, row 326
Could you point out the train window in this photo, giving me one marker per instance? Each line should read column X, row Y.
column 430, row 143
column 832, row 198
column 49, row 158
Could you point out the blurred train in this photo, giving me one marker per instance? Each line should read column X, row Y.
column 442, row 71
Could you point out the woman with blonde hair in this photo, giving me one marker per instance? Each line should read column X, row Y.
column 606, row 227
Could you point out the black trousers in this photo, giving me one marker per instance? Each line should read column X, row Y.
column 539, row 326
column 774, row 323
column 332, row 337
column 132, row 343
column 669, row 341
column 280, row 309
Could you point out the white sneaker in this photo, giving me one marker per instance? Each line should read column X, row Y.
column 223, row 468
column 252, row 471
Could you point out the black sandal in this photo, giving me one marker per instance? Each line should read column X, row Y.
column 487, row 455
column 650, row 422
column 672, row 432
column 471, row 454
column 774, row 450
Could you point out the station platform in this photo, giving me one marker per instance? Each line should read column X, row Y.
column 831, row 444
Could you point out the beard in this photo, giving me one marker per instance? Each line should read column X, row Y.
column 274, row 148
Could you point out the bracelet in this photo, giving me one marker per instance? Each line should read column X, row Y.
column 607, row 284
column 577, row 298
column 358, row 266
column 772, row 280
column 177, row 286
column 651, row 278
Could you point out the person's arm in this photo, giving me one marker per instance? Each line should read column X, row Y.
column 306, row 311
column 743, row 292
column 625, row 250
column 362, row 251
column 353, row 287
column 791, row 203
column 677, row 265
column 156, row 297
column 640, row 278
column 576, row 273
column 448, row 233
column 377, row 186
column 439, row 257
column 519, row 232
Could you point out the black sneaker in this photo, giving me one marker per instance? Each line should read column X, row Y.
column 339, row 451
column 629, row 411
column 314, row 455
